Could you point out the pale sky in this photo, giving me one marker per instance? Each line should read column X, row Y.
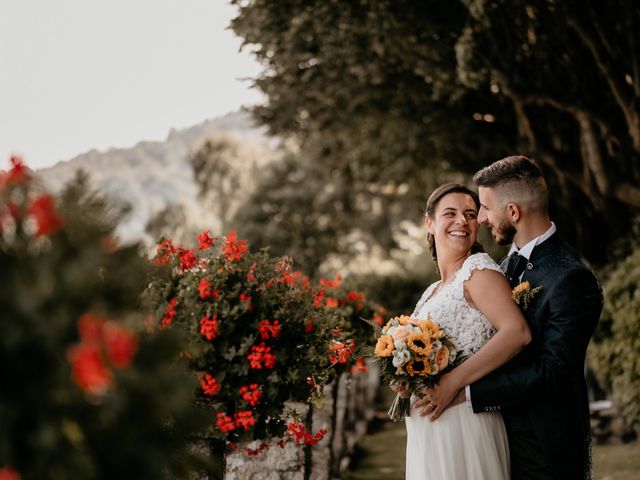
column 83, row 74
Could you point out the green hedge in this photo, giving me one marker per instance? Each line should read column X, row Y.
column 614, row 354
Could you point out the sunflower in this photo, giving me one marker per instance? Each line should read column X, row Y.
column 418, row 366
column 384, row 347
column 520, row 288
column 420, row 343
column 431, row 328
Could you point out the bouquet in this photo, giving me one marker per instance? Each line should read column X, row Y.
column 414, row 353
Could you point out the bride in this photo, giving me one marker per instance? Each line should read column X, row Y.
column 473, row 302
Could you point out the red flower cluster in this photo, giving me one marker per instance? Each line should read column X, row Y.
column 357, row 298
column 169, row 313
column 359, row 367
column 244, row 419
column 269, row 329
column 261, row 358
column 317, row 299
column 99, row 338
column 342, row 351
column 120, row 344
column 204, row 287
column 164, row 252
column 205, row 242
column 299, row 433
column 8, row 473
column 188, row 259
column 209, row 327
column 43, row 209
column 209, row 384
column 251, row 275
column 17, row 174
column 251, row 394
column 234, row 249
column 225, row 423
column 331, row 302
column 331, row 284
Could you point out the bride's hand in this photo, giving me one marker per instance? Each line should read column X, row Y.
column 442, row 394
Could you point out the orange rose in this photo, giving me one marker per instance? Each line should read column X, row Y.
column 401, row 333
column 442, row 357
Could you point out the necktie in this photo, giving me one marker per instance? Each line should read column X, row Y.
column 515, row 267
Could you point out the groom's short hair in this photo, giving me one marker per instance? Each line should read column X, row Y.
column 516, row 179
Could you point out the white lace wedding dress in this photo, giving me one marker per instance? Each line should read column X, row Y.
column 460, row 444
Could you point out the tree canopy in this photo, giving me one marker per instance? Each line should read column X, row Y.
column 388, row 92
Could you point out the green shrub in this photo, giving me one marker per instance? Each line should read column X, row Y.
column 614, row 353
column 260, row 335
column 86, row 393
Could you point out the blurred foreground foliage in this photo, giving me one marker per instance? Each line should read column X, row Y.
column 86, row 392
column 614, row 353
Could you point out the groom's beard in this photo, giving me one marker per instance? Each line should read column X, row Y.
column 504, row 233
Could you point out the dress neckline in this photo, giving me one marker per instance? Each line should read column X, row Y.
column 437, row 289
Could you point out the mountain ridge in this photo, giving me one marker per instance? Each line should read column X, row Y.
column 154, row 175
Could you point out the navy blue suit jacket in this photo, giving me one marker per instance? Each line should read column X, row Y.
column 542, row 392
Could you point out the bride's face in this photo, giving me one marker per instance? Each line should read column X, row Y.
column 454, row 224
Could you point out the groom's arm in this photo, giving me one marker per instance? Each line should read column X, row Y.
column 574, row 309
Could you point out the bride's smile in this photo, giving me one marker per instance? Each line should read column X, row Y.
column 454, row 225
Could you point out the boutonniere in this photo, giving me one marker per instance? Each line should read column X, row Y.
column 523, row 294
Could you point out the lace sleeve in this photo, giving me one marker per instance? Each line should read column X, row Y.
column 477, row 261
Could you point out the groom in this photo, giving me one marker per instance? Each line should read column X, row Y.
column 541, row 392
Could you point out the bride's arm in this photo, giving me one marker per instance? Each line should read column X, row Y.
column 489, row 292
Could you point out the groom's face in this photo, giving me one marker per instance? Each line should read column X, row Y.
column 493, row 214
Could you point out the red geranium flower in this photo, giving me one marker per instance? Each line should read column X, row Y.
column 205, row 241
column 164, row 251
column 8, row 473
column 16, row 174
column 331, row 284
column 209, row 327
column 121, row 344
column 44, row 211
column 317, row 299
column 244, row 419
column 331, row 302
column 169, row 313
column 234, row 249
column 251, row 394
column 188, row 259
column 261, row 355
column 359, row 367
column 88, row 370
column 225, row 423
column 209, row 385
column 342, row 351
column 90, row 327
column 268, row 329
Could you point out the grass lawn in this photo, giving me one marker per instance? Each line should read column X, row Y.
column 380, row 456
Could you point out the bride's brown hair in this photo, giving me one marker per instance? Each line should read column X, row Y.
column 432, row 203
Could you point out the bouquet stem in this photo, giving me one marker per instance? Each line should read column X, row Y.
column 400, row 408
